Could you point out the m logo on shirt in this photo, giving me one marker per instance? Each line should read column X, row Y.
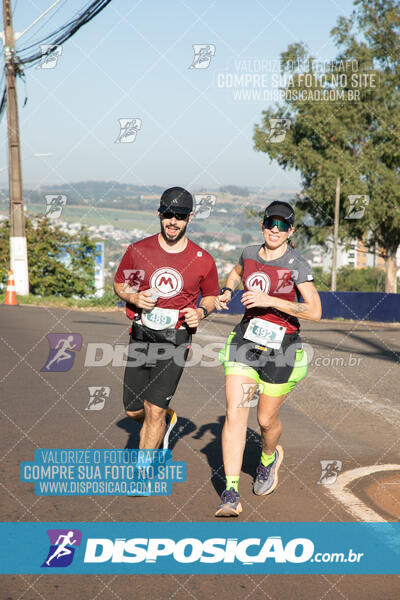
column 168, row 282
column 259, row 282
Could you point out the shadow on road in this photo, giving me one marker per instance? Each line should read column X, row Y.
column 372, row 350
column 213, row 452
column 182, row 428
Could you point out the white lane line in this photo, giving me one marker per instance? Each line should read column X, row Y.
column 349, row 500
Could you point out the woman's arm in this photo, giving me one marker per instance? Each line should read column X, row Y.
column 310, row 309
column 235, row 276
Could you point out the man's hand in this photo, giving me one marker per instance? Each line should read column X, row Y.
column 253, row 299
column 144, row 299
column 221, row 302
column 193, row 316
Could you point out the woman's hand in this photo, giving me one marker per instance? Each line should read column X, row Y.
column 221, row 302
column 254, row 299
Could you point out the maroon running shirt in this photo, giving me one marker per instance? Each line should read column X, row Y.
column 179, row 277
column 277, row 278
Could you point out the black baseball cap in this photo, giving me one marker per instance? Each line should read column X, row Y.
column 177, row 200
column 280, row 209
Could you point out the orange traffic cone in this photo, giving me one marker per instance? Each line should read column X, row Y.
column 11, row 295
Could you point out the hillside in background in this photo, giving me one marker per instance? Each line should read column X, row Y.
column 122, row 213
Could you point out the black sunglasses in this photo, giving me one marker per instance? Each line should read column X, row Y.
column 178, row 216
column 270, row 222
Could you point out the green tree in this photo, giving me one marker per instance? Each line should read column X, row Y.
column 321, row 279
column 59, row 264
column 354, row 137
column 369, row 279
column 350, row 279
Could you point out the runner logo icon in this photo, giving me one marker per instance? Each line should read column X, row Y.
column 62, row 547
column 168, row 282
column 54, row 205
column 133, row 279
column 97, row 397
column 62, row 351
column 285, row 283
column 204, row 205
column 128, row 130
column 259, row 282
column 251, row 394
column 279, row 129
column 329, row 471
column 203, row 54
column 50, row 56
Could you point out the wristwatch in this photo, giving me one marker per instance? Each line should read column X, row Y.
column 206, row 313
column 224, row 289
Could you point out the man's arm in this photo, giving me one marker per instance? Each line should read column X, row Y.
column 139, row 299
column 119, row 290
column 209, row 304
column 193, row 316
column 208, row 287
column 124, row 290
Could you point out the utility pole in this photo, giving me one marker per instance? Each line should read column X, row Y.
column 335, row 236
column 18, row 248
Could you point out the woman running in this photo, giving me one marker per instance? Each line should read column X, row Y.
column 263, row 356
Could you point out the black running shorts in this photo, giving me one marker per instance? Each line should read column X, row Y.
column 276, row 370
column 155, row 365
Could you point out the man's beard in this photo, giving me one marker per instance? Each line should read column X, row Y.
column 178, row 237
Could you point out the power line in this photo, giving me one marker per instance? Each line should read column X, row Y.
column 14, row 63
column 42, row 25
column 61, row 35
column 33, row 54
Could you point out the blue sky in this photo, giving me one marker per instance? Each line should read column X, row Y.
column 132, row 61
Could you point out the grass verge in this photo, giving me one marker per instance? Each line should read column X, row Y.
column 107, row 302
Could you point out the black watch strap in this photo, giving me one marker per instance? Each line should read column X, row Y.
column 206, row 313
column 224, row 289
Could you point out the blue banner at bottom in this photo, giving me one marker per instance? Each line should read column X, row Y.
column 196, row 548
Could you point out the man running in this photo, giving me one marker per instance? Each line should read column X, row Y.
column 170, row 273
column 263, row 356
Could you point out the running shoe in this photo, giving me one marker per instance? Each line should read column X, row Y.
column 172, row 422
column 230, row 504
column 267, row 477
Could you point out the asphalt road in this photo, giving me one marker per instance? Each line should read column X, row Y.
column 347, row 409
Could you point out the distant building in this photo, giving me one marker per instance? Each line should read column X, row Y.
column 357, row 255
